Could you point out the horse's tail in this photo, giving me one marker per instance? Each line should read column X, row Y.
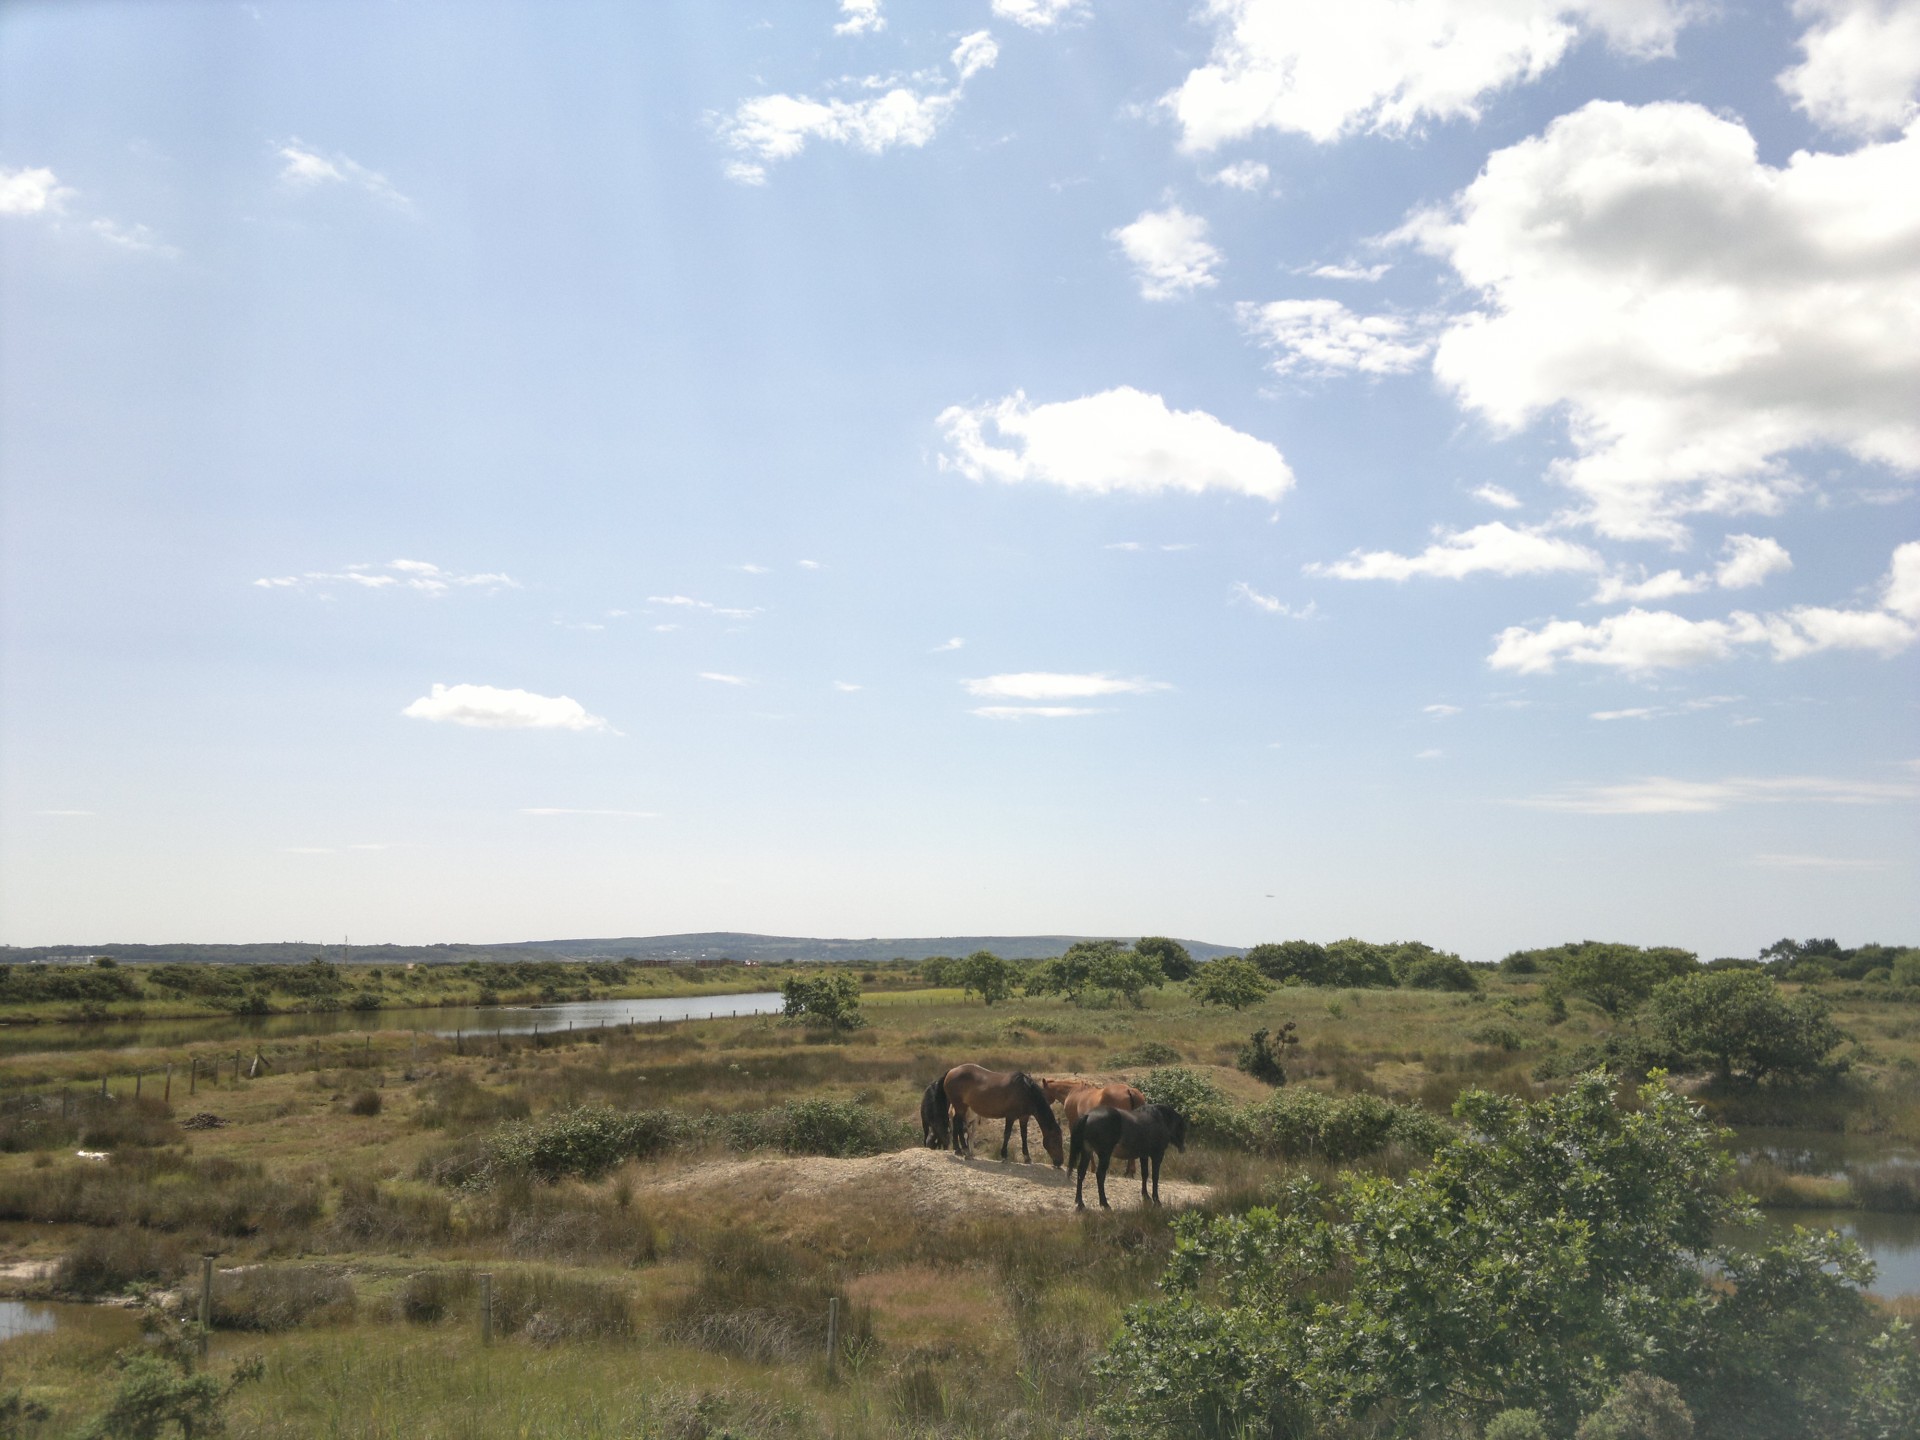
column 940, row 1091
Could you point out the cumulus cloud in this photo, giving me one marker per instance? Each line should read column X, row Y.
column 305, row 168
column 1646, row 640
column 1039, row 14
column 1694, row 314
column 1496, row 548
column 420, row 576
column 1118, row 440
column 1366, row 273
column 1170, row 252
column 1663, row 795
column 1243, row 175
column 1388, row 66
column 1862, row 65
column 1273, row 604
column 487, row 708
column 956, row 643
column 771, row 128
column 1052, row 685
column 1750, row 560
column 1324, row 337
column 861, row 17
column 31, row 192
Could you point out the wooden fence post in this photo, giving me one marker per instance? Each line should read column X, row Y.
column 206, row 1300
column 193, row 1075
column 166, row 1096
column 833, row 1333
column 486, row 1309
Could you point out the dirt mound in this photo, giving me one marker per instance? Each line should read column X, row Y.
column 927, row 1182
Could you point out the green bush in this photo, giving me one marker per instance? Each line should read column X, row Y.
column 1300, row 1123
column 586, row 1141
column 1147, row 1052
column 1440, row 972
column 1515, row 1425
column 819, row 1127
column 1208, row 1112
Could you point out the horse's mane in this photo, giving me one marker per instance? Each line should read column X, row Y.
column 1037, row 1100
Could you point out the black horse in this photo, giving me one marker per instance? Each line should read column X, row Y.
column 1142, row 1135
column 934, row 1127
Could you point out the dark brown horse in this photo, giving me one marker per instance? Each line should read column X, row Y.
column 933, row 1118
column 1077, row 1097
column 1008, row 1095
column 1142, row 1134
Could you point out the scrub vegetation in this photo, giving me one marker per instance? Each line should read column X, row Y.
column 1434, row 1208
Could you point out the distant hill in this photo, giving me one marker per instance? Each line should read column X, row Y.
column 706, row 945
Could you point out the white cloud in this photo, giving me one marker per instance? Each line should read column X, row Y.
column 1662, row 795
column 1119, row 440
column 1695, row 315
column 1368, row 273
column 417, row 575
column 1643, row 640
column 1031, row 712
column 31, row 192
column 752, row 569
column 725, row 612
column 1862, row 65
column 1272, row 604
column 1750, row 560
column 1498, row 497
column 1243, row 175
column 1440, row 712
column 770, row 128
column 956, row 643
column 303, row 168
column 1051, row 685
column 1620, row 586
column 863, row 17
column 137, row 238
column 1039, row 14
column 1495, row 547
column 1323, row 337
column 1638, row 712
column 567, row 810
column 809, row 564
column 845, row 687
column 1171, row 254
column 1429, row 754
column 722, row 679
column 1388, row 65
column 488, row 708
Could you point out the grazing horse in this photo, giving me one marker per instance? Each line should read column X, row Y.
column 1142, row 1134
column 1077, row 1097
column 1008, row 1095
column 933, row 1118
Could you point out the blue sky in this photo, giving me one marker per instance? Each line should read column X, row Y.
column 483, row 472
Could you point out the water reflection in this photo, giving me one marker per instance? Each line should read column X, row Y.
column 25, row 1317
column 471, row 1020
column 1893, row 1241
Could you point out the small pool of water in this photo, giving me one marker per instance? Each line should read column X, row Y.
column 26, row 1317
column 1891, row 1241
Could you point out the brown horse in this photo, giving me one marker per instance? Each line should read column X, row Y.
column 1008, row 1095
column 1077, row 1097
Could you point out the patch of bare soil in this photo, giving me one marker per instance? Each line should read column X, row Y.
column 932, row 1183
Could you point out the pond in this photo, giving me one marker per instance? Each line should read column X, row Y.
column 1892, row 1240
column 470, row 1020
column 25, row 1317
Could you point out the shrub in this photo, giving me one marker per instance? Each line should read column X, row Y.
column 427, row 1296
column 1641, row 1407
column 280, row 1298
column 1515, row 1425
column 587, row 1141
column 832, row 1001
column 1259, row 1057
column 367, row 1102
column 1441, row 972
column 1497, row 1035
column 1307, row 1123
column 1208, row 1112
column 1147, row 1052
column 550, row 1306
column 106, row 1262
column 1228, row 981
column 819, row 1127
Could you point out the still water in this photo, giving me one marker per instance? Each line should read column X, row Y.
column 24, row 1317
column 471, row 1020
column 1892, row 1241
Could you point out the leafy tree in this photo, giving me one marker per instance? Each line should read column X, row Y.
column 1641, row 1407
column 1739, row 1023
column 1300, row 961
column 985, row 974
column 1175, row 962
column 1097, row 965
column 937, row 970
column 1262, row 1055
column 1440, row 971
column 1555, row 1248
column 1614, row 977
column 1228, row 981
column 832, row 1001
column 1359, row 963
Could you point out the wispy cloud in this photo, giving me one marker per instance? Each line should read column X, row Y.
column 1272, row 604
column 1031, row 712
column 861, row 17
column 845, row 687
column 569, row 810
column 725, row 612
column 1497, row 496
column 1495, row 548
column 486, row 707
column 416, row 575
column 1664, row 795
column 1325, row 338
column 304, row 168
column 956, row 643
column 720, row 678
column 1242, row 175
column 1054, row 685
column 1440, row 712
column 1039, row 14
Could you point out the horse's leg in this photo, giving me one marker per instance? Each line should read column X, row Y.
column 1080, row 1180
column 1026, row 1155
column 961, row 1144
column 1106, row 1159
column 1006, row 1137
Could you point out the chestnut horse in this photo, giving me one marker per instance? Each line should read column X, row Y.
column 1008, row 1095
column 1077, row 1097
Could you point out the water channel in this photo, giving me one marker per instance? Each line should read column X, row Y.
column 467, row 1019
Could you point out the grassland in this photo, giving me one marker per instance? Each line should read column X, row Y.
column 346, row 1197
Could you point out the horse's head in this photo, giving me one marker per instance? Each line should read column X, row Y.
column 1038, row 1099
column 1176, row 1128
column 1058, row 1089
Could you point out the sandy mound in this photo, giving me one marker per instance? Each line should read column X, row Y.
column 927, row 1182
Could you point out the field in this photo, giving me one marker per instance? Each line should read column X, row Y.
column 357, row 1190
